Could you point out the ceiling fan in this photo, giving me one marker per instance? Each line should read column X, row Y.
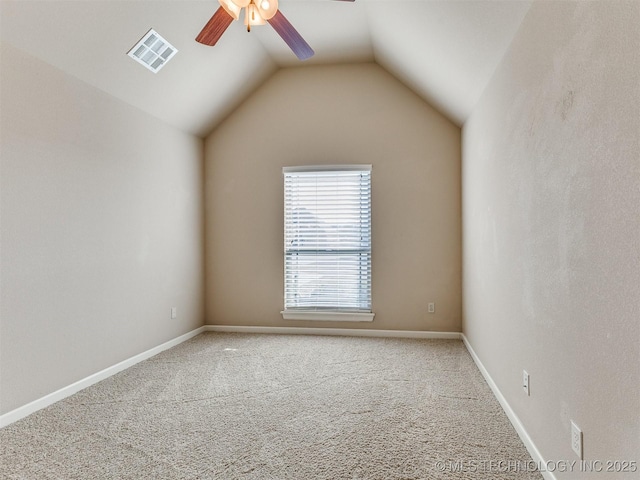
column 257, row 12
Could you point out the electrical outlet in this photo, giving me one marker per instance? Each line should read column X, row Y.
column 576, row 439
column 432, row 308
column 525, row 382
column 174, row 312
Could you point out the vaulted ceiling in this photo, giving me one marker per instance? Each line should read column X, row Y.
column 445, row 50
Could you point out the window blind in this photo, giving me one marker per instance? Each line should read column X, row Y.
column 327, row 238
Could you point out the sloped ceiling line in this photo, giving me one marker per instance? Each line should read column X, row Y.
column 445, row 50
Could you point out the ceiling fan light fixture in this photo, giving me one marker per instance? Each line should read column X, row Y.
column 267, row 8
column 231, row 7
column 252, row 16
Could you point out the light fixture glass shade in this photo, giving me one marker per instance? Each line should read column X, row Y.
column 232, row 7
column 267, row 8
column 252, row 16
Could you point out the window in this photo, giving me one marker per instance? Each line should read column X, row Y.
column 327, row 243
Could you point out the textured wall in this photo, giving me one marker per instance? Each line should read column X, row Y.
column 332, row 115
column 551, row 182
column 101, row 210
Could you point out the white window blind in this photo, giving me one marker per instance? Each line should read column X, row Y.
column 327, row 238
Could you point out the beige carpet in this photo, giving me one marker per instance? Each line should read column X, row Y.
column 242, row 406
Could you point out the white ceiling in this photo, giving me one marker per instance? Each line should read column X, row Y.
column 445, row 50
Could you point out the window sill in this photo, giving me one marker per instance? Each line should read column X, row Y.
column 328, row 316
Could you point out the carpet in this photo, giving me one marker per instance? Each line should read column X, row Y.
column 252, row 406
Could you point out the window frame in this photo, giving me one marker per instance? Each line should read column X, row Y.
column 321, row 314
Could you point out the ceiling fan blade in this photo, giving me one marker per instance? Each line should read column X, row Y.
column 215, row 27
column 291, row 36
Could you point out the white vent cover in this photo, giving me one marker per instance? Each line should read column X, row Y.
column 152, row 51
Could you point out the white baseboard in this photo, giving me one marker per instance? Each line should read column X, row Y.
column 513, row 418
column 345, row 332
column 21, row 412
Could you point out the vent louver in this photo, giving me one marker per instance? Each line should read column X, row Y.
column 152, row 51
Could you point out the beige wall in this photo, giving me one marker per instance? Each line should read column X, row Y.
column 336, row 115
column 101, row 211
column 551, row 182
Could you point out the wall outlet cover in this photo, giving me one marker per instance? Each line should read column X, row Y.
column 525, row 382
column 576, row 439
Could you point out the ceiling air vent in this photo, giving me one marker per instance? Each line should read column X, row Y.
column 152, row 51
